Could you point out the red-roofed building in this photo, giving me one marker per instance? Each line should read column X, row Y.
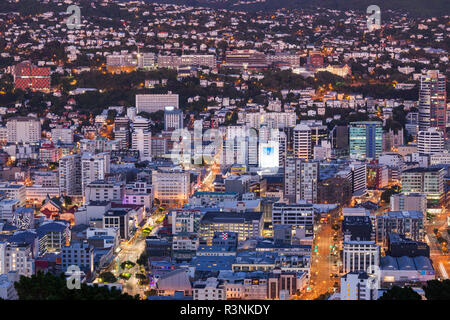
column 28, row 76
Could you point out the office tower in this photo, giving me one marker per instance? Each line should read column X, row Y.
column 94, row 167
column 366, row 139
column 122, row 131
column 173, row 119
column 302, row 142
column 429, row 181
column 299, row 216
column 70, row 175
column 359, row 285
column 301, row 180
column 282, row 147
column 28, row 76
column 154, row 102
column 171, row 186
column 23, row 130
column 430, row 141
column 412, row 123
column 433, row 101
column 142, row 142
column 240, row 146
column 360, row 255
column 141, row 123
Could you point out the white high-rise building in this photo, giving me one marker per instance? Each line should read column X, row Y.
column 94, row 167
column 301, row 180
column 173, row 118
column 70, row 175
column 23, row 129
column 142, row 142
column 240, row 146
column 430, row 141
column 141, row 123
column 302, row 141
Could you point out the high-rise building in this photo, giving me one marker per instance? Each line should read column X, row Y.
column 173, row 118
column 141, row 123
column 94, row 167
column 171, row 186
column 429, row 181
column 122, row 131
column 23, row 129
column 430, row 141
column 70, row 175
column 142, row 142
column 366, row 139
column 302, row 142
column 433, row 101
column 301, row 180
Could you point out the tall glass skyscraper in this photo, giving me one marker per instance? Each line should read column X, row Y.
column 432, row 101
column 366, row 139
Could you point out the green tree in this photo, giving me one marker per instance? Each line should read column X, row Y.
column 50, row 287
column 108, row 277
column 437, row 290
column 399, row 293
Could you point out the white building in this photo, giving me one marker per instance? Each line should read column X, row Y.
column 430, row 141
column 142, row 141
column 211, row 289
column 7, row 290
column 23, row 129
column 302, row 142
column 16, row 257
column 65, row 135
column 154, row 102
column 359, row 286
column 70, row 175
column 171, row 186
column 101, row 190
column 360, row 255
column 94, row 167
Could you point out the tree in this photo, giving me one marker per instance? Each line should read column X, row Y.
column 143, row 259
column 108, row 277
column 437, row 290
column 50, row 287
column 399, row 293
